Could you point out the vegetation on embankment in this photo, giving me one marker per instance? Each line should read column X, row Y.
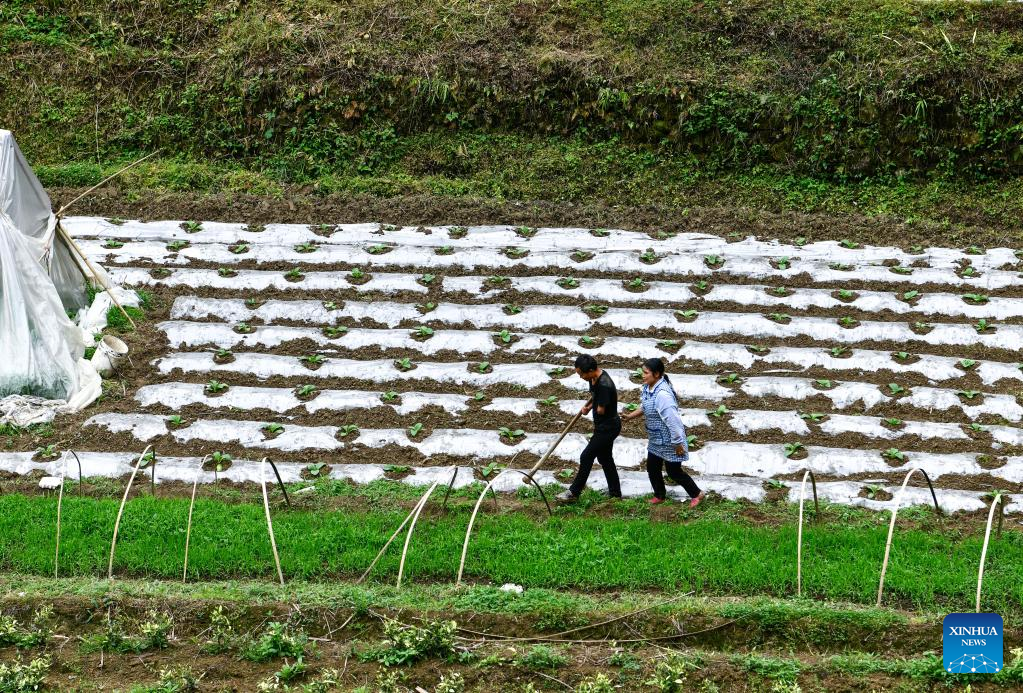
column 710, row 556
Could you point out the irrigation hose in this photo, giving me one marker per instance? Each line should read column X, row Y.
column 269, row 523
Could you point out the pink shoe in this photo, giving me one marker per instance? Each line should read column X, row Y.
column 696, row 501
column 656, row 501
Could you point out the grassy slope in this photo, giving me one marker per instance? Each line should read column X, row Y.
column 710, row 555
column 846, row 107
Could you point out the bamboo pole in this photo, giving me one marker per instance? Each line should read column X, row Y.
column 133, row 164
column 95, row 273
column 393, row 536
column 269, row 524
column 191, row 507
column 468, row 531
column 529, row 475
column 412, row 527
column 120, row 512
column 996, row 501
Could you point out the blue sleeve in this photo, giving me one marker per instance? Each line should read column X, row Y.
column 667, row 408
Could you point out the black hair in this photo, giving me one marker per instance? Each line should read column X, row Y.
column 585, row 363
column 656, row 366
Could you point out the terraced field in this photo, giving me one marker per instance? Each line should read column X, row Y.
column 404, row 352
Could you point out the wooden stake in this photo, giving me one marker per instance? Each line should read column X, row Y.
column 269, row 524
column 96, row 275
column 60, row 212
column 120, row 511
column 529, row 475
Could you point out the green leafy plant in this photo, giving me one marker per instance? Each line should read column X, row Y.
column 525, row 231
column 974, row 250
column 479, row 396
column 648, row 256
column 191, row 226
column 294, row 275
column 667, row 343
column 713, row 261
column 559, row 371
column 701, row 286
column 896, row 389
column 505, row 336
column 721, row 410
column 305, row 390
column 389, row 396
column 631, row 407
column 113, row 244
column 272, row 428
column 846, row 294
column 800, row 241
column 976, row 299
column 427, row 278
column 730, row 379
column 600, row 233
column 595, row 309
column 581, row 256
column 175, row 246
column 823, row 383
column 516, row 252
column 396, row 468
column 227, row 272
column 306, row 247
column 587, row 340
column 276, row 641
column 568, row 283
column 901, row 269
column 902, row 355
column 542, row 657
column 483, row 367
column 244, row 328
column 549, row 401
column 873, row 490
column 840, row 267
column 781, row 291
column 757, row 348
column 688, row 314
column 911, row 295
column 892, row 422
column 176, row 420
column 116, row 221
column 966, row 364
column 498, row 280
column 47, row 452
column 779, row 317
column 783, row 263
column 636, row 283
column 983, row 325
column 404, row 364
column 312, row 359
column 408, row 644
column 490, row 468
column 839, row 351
column 968, row 394
column 347, row 430
column 445, row 250
column 512, row 309
column 423, row 332
column 377, row 249
column 252, row 302
column 239, row 248
column 334, row 332
column 458, row 231
column 969, row 271
column 414, row 429
column 815, row 417
column 215, row 386
column 846, row 243
column 510, row 434
column 793, row 448
column 357, row 273
column 426, row 307
column 893, row 454
column 848, row 321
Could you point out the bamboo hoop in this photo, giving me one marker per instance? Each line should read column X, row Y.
column 412, row 527
column 997, row 501
column 816, row 517
column 891, row 525
column 529, row 475
column 60, row 499
column 191, row 506
column 120, row 512
column 269, row 523
column 468, row 532
column 389, row 541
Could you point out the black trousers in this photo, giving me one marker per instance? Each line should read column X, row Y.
column 675, row 471
column 599, row 448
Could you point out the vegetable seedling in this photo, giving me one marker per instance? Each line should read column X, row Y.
column 548, row 401
column 916, row 249
column 306, row 247
column 902, row 355
column 175, row 420
column 894, row 454
column 892, row 421
column 48, row 452
column 377, row 249
column 334, row 332
column 512, row 309
column 780, row 291
column 636, row 283
column 244, row 328
column 974, row 250
column 357, row 273
column 239, row 248
column 649, row 256
column 516, row 252
column 967, row 364
column 587, row 340
column 701, row 286
column 840, row 267
column 414, row 429
column 899, row 269
column 983, row 325
column 215, row 386
column 688, row 314
column 490, row 469
column 252, row 302
column 223, row 354
column 848, row 321
column 445, row 250
column 839, row 351
column 426, row 307
column 116, row 221
column 559, row 371
column 846, row 243
column 305, row 390
column 423, row 332
column 113, row 244
column 873, row 490
column 896, row 389
column 347, row 430
column 667, row 343
column 191, row 226
column 800, row 241
column 458, row 231
column 220, row 460
column 509, row 433
column 397, row 468
column 783, row 263
column 581, row 256
column 757, row 349
column 719, row 412
column 226, row 272
column 505, row 336
column 730, row 379
column 968, row 394
column 525, row 231
column 330, row 305
column 315, row 469
column 692, row 441
column 823, row 383
column 968, row 271
column 911, row 295
column 600, row 233
column 636, row 374
column 713, row 260
column 568, row 283
column 793, row 448
column 815, row 417
column 976, row 299
column 273, row 428
column 312, row 359
column 483, row 366
column 427, row 279
column 175, row 246
column 595, row 309
column 923, row 326
column 498, row 280
column 779, row 317
column 294, row 274
column 403, row 364
column 631, row 407
column 323, row 229
column 389, row 396
column 846, row 295
column 478, row 396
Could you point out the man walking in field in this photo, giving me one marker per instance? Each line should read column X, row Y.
column 607, row 425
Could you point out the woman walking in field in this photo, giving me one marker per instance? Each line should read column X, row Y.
column 666, row 435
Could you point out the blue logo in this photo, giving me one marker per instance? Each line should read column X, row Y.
column 972, row 643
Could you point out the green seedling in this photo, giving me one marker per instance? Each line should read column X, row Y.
column 483, row 366
column 968, row 394
column 922, row 326
column 312, row 359
column 899, row 269
column 113, row 244
column 509, row 433
column 667, row 344
column 823, row 383
column 294, row 274
column 423, row 332
column 976, row 428
column 967, row 364
column 595, row 309
column 548, row 401
column 273, row 428
column 427, row 278
column 873, row 490
column 175, row 420
column 334, row 332
column 215, row 386
column 252, row 302
column 636, row 283
column 220, row 460
column 892, row 422
column 587, row 340
column 479, row 396
column 512, row 309
column 846, row 243
column 600, row 233
column 254, row 228
column 983, row 325
column 401, row 468
column 498, row 280
column 839, row 351
column 649, row 256
column 783, row 263
column 223, row 354
column 48, row 452
column 846, row 294
column 713, row 261
column 323, row 229
column 719, row 412
column 458, row 231
column 175, row 246
column 916, row 249
column 565, row 474
column 847, row 321
column 226, row 272
column 902, row 355
column 780, row 291
column 525, row 231
column 974, row 250
column 389, row 396
column 969, row 271
column 896, row 389
column 427, row 307
column 730, row 379
column 445, row 250
column 191, row 226
column 559, row 371
column 314, row 470
column 116, row 221
column 779, row 317
column 631, row 407
column 516, row 252
column 414, row 429
column 692, row 441
column 347, row 430
column 306, row 247
column 490, row 469
column 389, row 228
column 800, row 241
column 331, row 305
column 911, row 295
column 305, row 390
column 505, row 336
column 688, row 314
column 757, row 349
column 403, row 364
column 239, row 248
column 636, row 374
column 894, row 454
column 568, row 283
column 840, row 266
column 582, row 256
column 793, row 448
column 377, row 249
column 357, row 273
column 814, row 417
column 976, row 299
